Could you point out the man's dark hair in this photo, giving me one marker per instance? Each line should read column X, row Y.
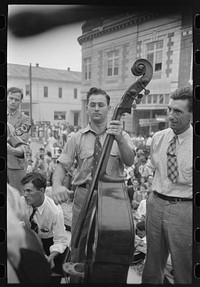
column 141, row 225
column 96, row 91
column 38, row 180
column 13, row 90
column 49, row 153
column 184, row 93
column 142, row 185
column 71, row 128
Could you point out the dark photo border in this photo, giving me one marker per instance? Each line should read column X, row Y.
column 195, row 4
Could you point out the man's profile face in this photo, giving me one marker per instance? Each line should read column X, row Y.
column 32, row 195
column 178, row 115
column 97, row 108
column 14, row 100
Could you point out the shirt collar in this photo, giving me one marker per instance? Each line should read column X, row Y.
column 89, row 128
column 186, row 134
column 42, row 206
column 17, row 113
column 86, row 129
column 181, row 137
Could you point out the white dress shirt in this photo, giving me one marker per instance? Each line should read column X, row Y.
column 158, row 163
column 50, row 220
column 142, row 208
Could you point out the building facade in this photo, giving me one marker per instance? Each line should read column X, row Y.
column 55, row 93
column 110, row 46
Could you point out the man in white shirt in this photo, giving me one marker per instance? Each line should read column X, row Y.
column 169, row 206
column 149, row 140
column 43, row 216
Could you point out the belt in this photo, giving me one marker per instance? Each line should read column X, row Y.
column 171, row 198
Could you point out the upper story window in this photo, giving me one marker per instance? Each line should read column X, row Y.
column 87, row 68
column 113, row 63
column 167, row 99
column 75, row 93
column 45, row 92
column 27, row 90
column 154, row 54
column 161, row 99
column 60, row 93
column 155, row 98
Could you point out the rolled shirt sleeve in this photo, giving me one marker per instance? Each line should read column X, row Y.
column 68, row 155
column 60, row 238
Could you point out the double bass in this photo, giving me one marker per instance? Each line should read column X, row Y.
column 110, row 241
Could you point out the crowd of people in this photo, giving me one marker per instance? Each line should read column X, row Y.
column 52, row 185
column 54, row 133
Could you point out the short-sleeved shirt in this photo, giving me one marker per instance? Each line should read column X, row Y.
column 14, row 162
column 184, row 152
column 16, row 120
column 81, row 146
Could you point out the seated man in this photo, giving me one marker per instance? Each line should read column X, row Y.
column 23, row 244
column 46, row 218
column 140, row 242
column 138, row 196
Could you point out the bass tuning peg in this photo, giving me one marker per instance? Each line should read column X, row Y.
column 138, row 101
column 134, row 106
column 146, row 92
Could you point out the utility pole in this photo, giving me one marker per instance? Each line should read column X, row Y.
column 30, row 92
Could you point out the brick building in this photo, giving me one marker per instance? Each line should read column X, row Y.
column 110, row 46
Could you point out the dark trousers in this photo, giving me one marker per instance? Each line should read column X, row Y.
column 59, row 260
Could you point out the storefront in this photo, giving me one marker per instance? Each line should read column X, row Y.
column 147, row 121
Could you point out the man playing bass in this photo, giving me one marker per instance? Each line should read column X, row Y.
column 81, row 146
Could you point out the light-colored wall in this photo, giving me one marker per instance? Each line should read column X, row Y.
column 43, row 108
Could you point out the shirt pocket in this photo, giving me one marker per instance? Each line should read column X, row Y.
column 185, row 167
column 86, row 154
column 44, row 229
column 86, row 159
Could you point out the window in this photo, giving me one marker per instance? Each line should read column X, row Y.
column 27, row 90
column 155, row 99
column 59, row 115
column 144, row 98
column 154, row 54
column 87, row 68
column 27, row 113
column 158, row 61
column 76, row 116
column 149, row 99
column 167, row 99
column 161, row 99
column 45, row 92
column 75, row 93
column 113, row 63
column 60, row 93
